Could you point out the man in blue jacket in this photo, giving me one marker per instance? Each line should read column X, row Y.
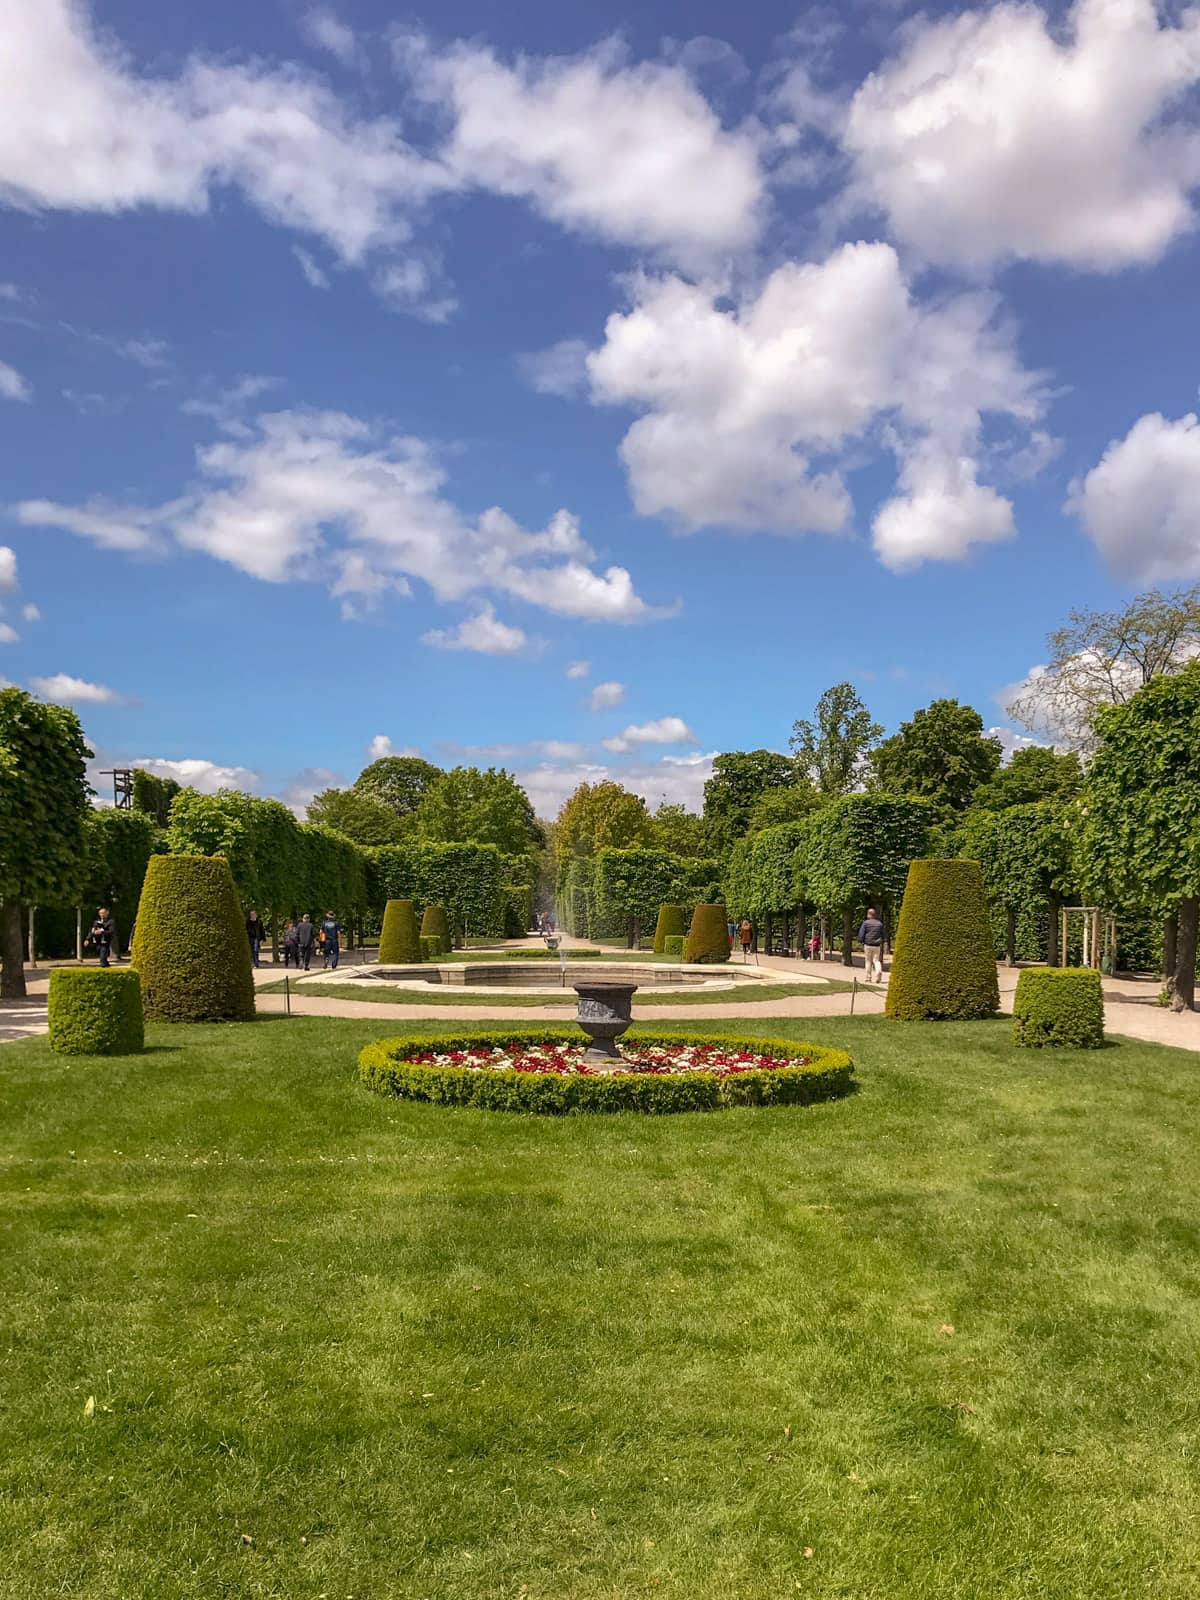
column 870, row 936
column 331, row 930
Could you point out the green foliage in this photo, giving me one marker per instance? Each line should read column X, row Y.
column 431, row 948
column 435, row 925
column 831, row 754
column 672, row 920
column 740, row 778
column 600, row 816
column 399, row 943
column 489, row 807
column 398, row 782
column 153, row 796
column 857, row 851
column 386, row 1068
column 708, row 936
column 357, row 816
column 95, row 1011
column 1059, row 1006
column 190, row 949
column 117, row 850
column 943, row 968
column 518, row 909
column 464, row 878
column 1033, row 774
column 679, row 831
column 941, row 756
column 43, row 800
column 795, row 803
column 674, row 945
column 1024, row 854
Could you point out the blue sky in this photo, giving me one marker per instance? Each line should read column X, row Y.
column 356, row 380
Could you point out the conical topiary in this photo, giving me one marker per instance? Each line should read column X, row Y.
column 944, row 967
column 435, row 924
column 400, row 942
column 190, row 947
column 708, row 936
column 671, row 919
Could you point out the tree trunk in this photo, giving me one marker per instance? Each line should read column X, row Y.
column 1182, row 982
column 770, row 932
column 1052, row 941
column 847, row 937
column 12, row 953
column 274, row 938
column 1010, row 937
column 32, row 936
column 79, row 933
column 1170, row 937
column 635, row 932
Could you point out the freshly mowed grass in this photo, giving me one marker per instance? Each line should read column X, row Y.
column 378, row 992
column 942, row 1334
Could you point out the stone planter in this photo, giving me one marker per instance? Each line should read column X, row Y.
column 605, row 1012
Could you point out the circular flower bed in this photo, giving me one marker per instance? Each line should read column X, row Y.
column 543, row 1070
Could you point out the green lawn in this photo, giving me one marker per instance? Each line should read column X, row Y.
column 446, row 996
column 936, row 1341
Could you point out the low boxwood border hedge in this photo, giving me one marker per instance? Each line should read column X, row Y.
column 385, row 1067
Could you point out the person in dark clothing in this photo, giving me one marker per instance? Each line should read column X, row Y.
column 304, row 941
column 870, row 936
column 291, row 945
column 747, row 937
column 101, row 935
column 255, row 932
column 331, row 930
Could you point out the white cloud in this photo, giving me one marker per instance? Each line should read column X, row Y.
column 194, row 773
column 994, row 134
column 941, row 513
column 8, row 635
column 320, row 495
column 299, row 790
column 1011, row 741
column 328, row 32
column 315, row 275
column 666, row 730
column 8, row 568
column 13, row 293
column 578, row 669
column 606, row 695
column 30, row 613
column 381, row 746
column 483, row 632
column 674, row 780
column 12, row 385
column 1140, row 505
column 63, row 690
column 743, row 406
column 631, row 153
column 561, row 369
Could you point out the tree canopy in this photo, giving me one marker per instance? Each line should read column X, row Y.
column 359, row 816
column 832, row 753
column 739, row 780
column 398, row 782
column 466, row 804
column 599, row 816
column 679, row 831
column 941, row 755
column 1033, row 774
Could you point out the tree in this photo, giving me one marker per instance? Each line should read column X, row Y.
column 1139, row 843
column 942, row 756
column 117, row 850
column 857, row 852
column 1103, row 658
column 777, row 807
column 44, row 797
column 832, row 754
column 1034, row 774
column 1025, row 857
column 600, row 815
column 739, row 780
column 359, row 816
column 153, row 796
column 466, row 805
column 679, row 831
column 398, row 782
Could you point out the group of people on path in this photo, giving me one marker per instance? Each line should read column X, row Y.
column 299, row 939
column 870, row 936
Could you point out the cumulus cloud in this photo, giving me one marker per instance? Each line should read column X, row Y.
column 743, row 404
column 631, row 153
column 326, row 31
column 483, row 632
column 578, row 669
column 63, row 690
column 8, row 634
column 995, row 134
column 324, row 496
column 12, row 385
column 299, row 790
column 666, row 730
column 673, row 780
column 606, row 695
column 1139, row 505
column 195, row 773
column 561, row 369
column 1011, row 741
column 31, row 613
column 8, row 568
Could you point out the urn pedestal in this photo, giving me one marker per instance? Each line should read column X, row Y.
column 604, row 1013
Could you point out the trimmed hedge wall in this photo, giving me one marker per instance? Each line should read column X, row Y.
column 190, row 947
column 1059, row 1006
column 674, row 945
column 95, row 1011
column 435, row 924
column 943, row 968
column 672, row 920
column 384, row 1067
column 708, row 936
column 399, row 943
column 518, row 909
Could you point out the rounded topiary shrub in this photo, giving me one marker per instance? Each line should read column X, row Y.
column 435, row 924
column 190, row 947
column 399, row 943
column 1059, row 1006
column 944, row 966
column 674, row 945
column 672, row 920
column 95, row 1011
column 708, row 936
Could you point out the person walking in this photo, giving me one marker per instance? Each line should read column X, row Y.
column 814, row 946
column 731, row 930
column 255, row 932
column 291, row 945
column 870, row 936
column 747, row 937
column 101, row 935
column 304, row 940
column 331, row 930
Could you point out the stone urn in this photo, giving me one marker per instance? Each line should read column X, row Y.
column 605, row 1011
